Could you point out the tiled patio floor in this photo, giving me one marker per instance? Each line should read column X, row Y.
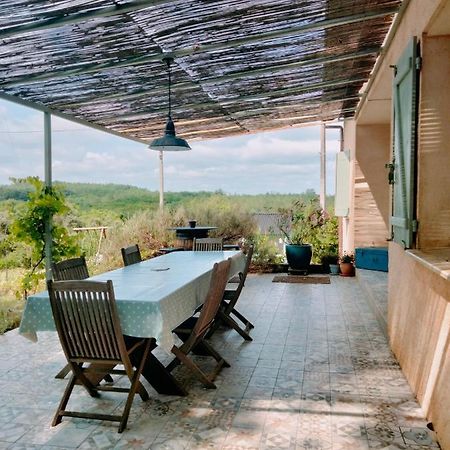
column 318, row 375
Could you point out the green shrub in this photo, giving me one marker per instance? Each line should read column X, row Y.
column 44, row 204
column 231, row 220
column 308, row 223
column 265, row 252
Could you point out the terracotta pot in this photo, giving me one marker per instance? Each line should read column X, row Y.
column 347, row 269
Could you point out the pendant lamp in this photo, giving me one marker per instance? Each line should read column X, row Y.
column 169, row 142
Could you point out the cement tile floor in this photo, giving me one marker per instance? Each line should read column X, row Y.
column 318, row 375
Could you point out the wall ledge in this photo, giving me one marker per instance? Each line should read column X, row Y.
column 434, row 259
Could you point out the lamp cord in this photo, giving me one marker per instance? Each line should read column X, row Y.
column 170, row 103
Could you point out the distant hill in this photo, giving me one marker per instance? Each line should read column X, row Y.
column 123, row 200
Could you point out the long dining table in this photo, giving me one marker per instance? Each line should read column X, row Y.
column 152, row 298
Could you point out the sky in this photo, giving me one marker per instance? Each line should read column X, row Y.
column 285, row 161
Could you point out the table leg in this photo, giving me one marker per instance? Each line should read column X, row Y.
column 154, row 372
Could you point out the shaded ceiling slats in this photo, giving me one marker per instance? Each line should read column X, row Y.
column 240, row 65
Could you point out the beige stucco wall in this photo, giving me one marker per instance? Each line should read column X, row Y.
column 419, row 298
column 433, row 203
column 371, row 202
column 419, row 332
column 368, row 222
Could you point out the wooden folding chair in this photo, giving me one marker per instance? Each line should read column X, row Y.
column 193, row 336
column 207, row 244
column 70, row 269
column 88, row 326
column 131, row 255
column 227, row 306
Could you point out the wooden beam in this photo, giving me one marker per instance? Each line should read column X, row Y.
column 237, row 115
column 291, row 31
column 289, row 91
column 185, row 86
column 45, row 109
column 61, row 20
column 230, row 43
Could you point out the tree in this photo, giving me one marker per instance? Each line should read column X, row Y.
column 44, row 204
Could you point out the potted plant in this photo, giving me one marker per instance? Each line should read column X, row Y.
column 299, row 225
column 330, row 263
column 346, row 265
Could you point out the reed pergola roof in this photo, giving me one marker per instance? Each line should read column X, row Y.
column 240, row 65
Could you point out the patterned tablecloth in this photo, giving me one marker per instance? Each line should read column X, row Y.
column 152, row 297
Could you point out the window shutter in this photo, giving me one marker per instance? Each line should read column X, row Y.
column 405, row 124
column 342, row 197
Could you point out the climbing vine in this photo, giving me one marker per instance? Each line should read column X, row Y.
column 44, row 204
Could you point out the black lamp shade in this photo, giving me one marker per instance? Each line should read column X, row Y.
column 169, row 142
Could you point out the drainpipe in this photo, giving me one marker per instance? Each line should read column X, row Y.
column 323, row 153
column 323, row 164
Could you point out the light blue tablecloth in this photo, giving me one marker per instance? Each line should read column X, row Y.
column 152, row 297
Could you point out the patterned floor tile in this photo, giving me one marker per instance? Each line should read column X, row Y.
column 419, row 436
column 318, row 375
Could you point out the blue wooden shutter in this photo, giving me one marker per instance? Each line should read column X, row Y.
column 405, row 97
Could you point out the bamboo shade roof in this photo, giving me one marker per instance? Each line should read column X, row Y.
column 239, row 65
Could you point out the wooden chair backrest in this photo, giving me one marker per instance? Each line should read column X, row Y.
column 242, row 277
column 247, row 263
column 86, row 319
column 217, row 285
column 131, row 255
column 70, row 269
column 207, row 244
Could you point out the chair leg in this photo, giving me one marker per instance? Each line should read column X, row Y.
column 233, row 324
column 63, row 403
column 243, row 319
column 136, row 385
column 193, row 367
column 63, row 372
column 215, row 354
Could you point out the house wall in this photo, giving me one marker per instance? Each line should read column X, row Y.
column 419, row 332
column 419, row 289
column 433, row 202
column 371, row 187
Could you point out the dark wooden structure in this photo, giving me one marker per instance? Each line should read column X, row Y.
column 194, row 336
column 131, row 255
column 89, row 330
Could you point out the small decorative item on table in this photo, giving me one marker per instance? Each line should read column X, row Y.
column 192, row 223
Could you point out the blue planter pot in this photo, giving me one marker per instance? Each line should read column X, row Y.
column 299, row 256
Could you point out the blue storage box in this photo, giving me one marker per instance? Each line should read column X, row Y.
column 372, row 258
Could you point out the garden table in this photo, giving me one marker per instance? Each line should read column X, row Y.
column 152, row 298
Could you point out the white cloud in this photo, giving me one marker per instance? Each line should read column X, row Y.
column 285, row 161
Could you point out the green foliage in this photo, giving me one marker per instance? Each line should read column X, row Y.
column 347, row 258
column 44, row 205
column 308, row 223
column 10, row 307
column 219, row 210
column 265, row 252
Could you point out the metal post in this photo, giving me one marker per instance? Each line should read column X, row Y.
column 161, row 180
column 48, row 183
column 323, row 187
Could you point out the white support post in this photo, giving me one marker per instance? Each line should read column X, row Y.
column 161, row 180
column 48, row 183
column 323, row 187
